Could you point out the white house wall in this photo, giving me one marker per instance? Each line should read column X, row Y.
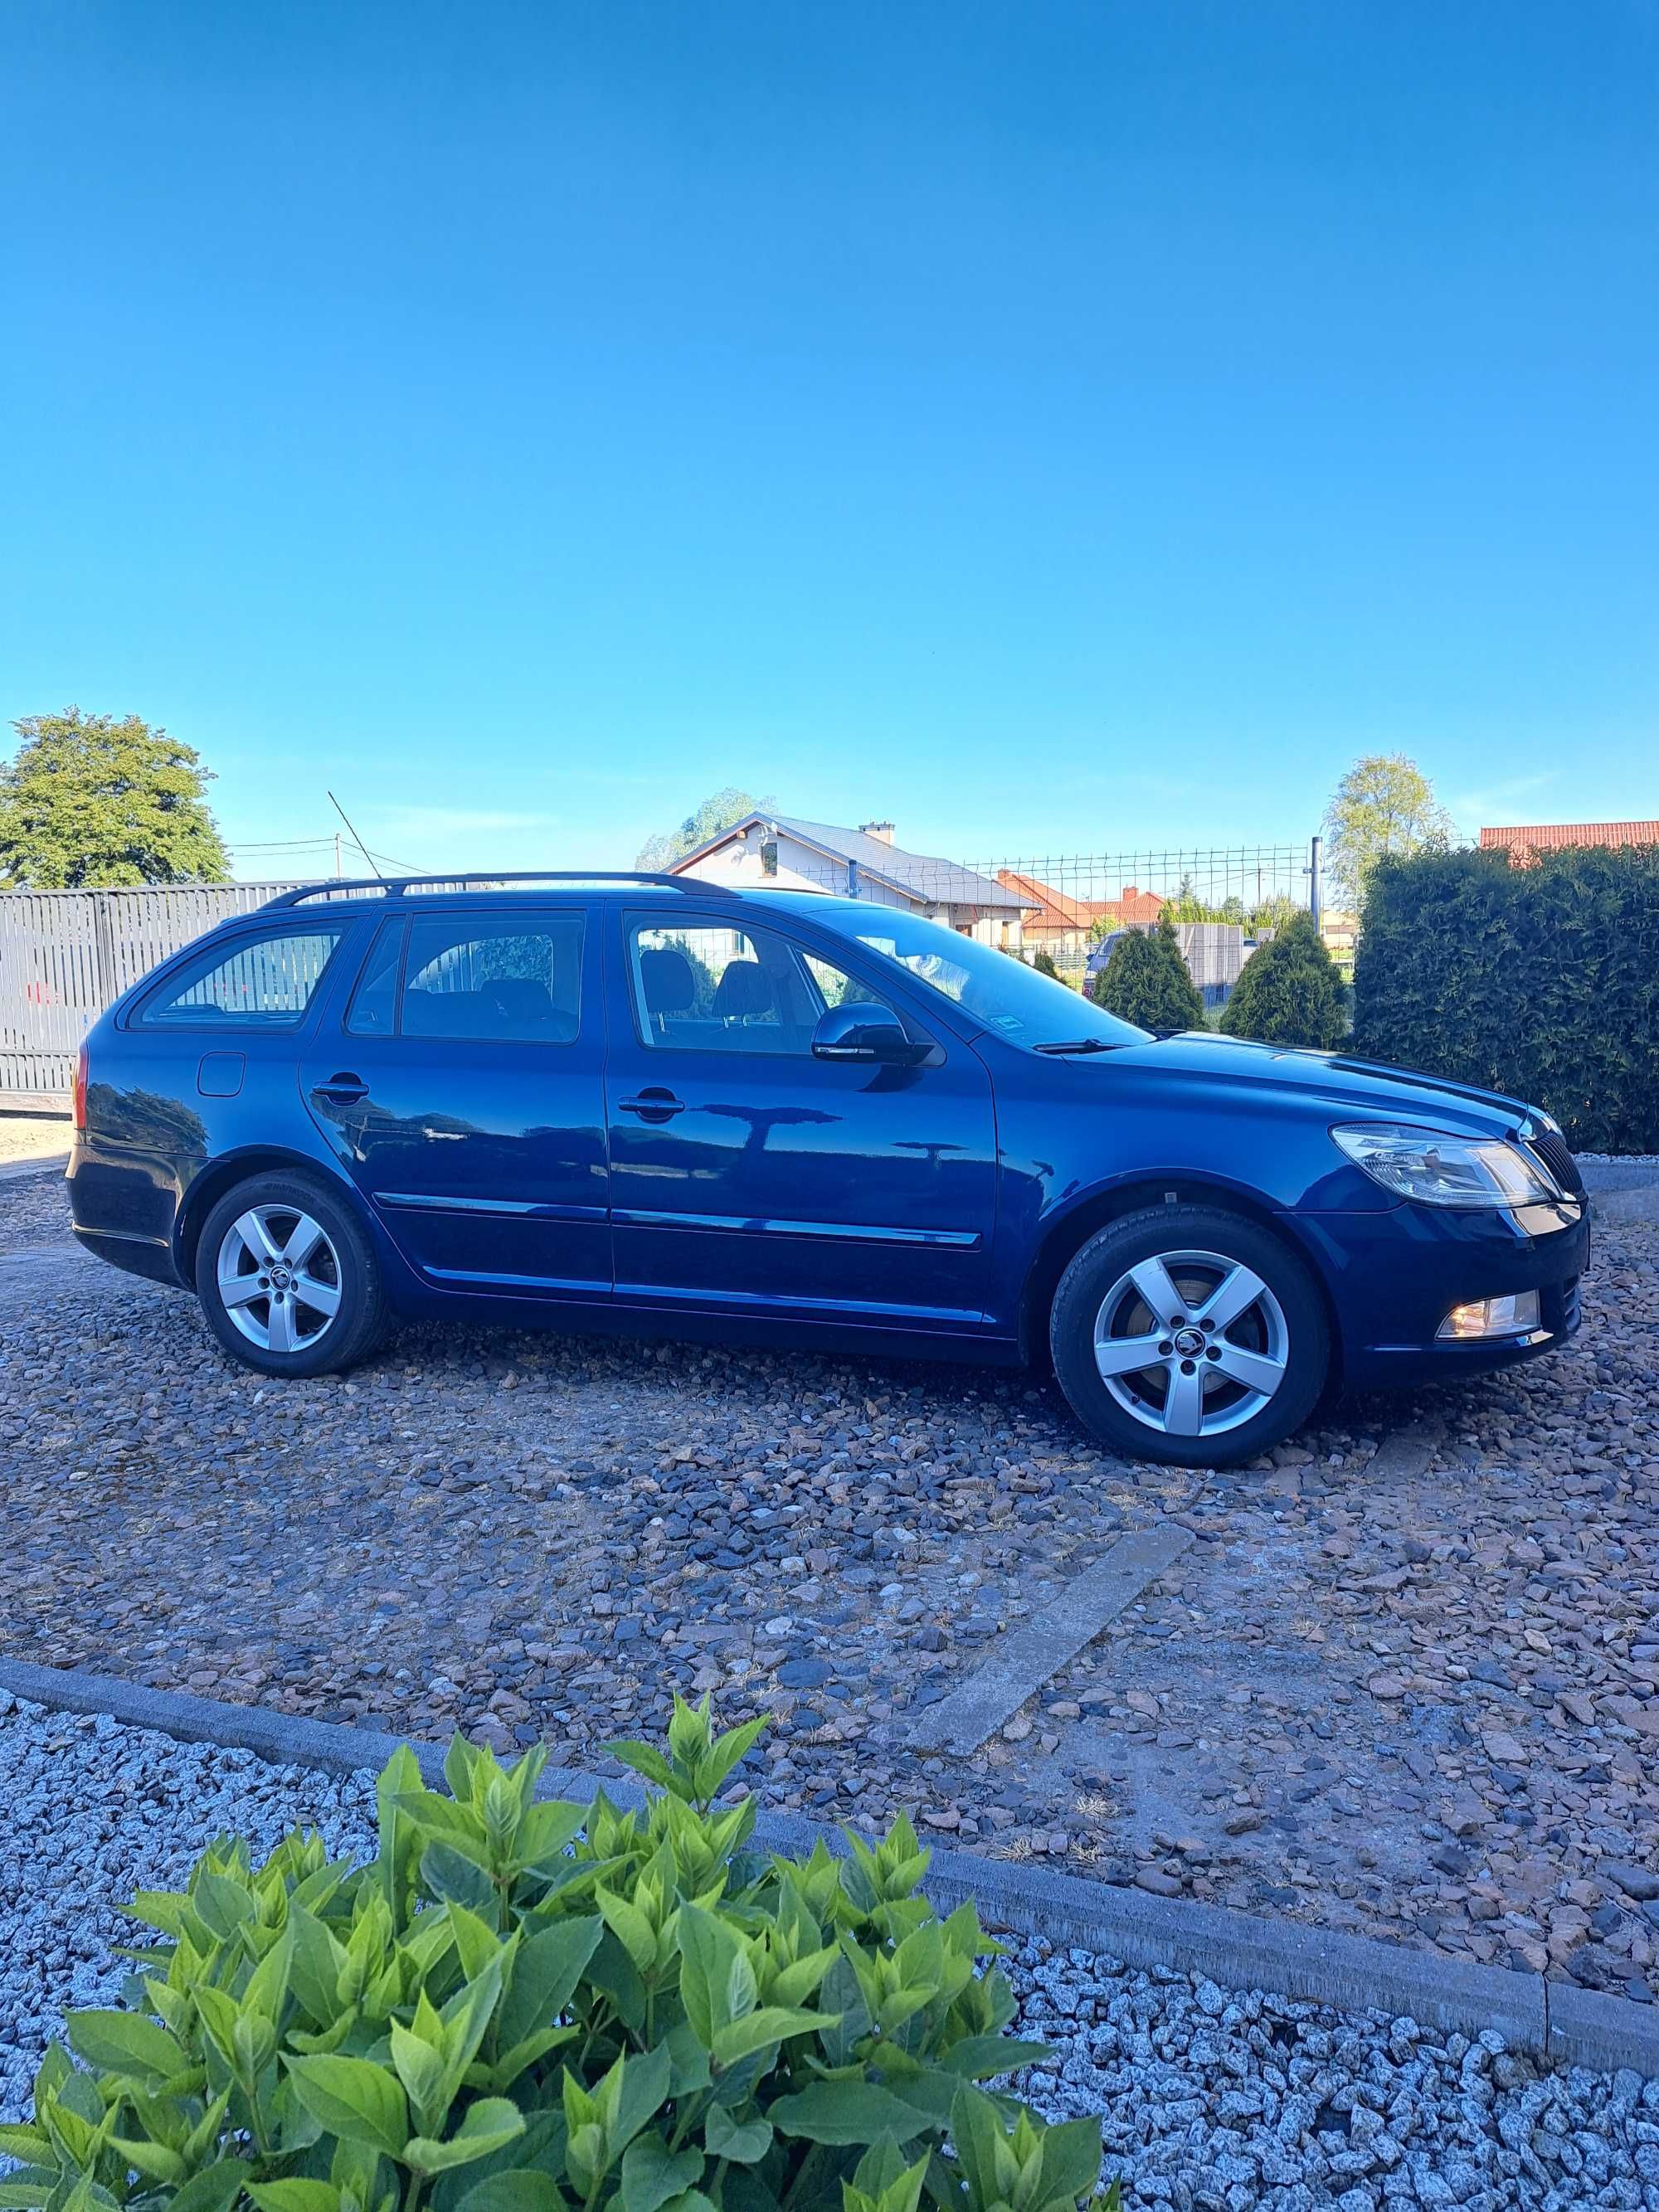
column 800, row 868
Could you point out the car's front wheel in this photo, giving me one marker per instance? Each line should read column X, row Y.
column 286, row 1279
column 1189, row 1334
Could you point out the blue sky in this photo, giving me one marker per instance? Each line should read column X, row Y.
column 1057, row 427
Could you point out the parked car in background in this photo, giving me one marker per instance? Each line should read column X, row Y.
column 649, row 1103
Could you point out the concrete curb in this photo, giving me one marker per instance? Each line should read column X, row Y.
column 1570, row 2026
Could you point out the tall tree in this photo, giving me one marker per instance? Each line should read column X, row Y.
column 1147, row 981
column 87, row 801
column 1384, row 804
column 716, row 813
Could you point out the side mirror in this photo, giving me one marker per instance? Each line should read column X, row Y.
column 856, row 1030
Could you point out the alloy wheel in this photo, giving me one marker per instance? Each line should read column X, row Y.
column 279, row 1277
column 1191, row 1343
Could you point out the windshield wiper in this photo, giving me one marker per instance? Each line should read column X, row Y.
column 1080, row 1044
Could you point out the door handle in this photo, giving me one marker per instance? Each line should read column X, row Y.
column 342, row 1090
column 655, row 1105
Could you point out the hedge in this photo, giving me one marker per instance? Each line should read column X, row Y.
column 1290, row 992
column 1539, row 980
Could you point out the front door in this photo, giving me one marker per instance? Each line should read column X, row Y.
column 464, row 1092
column 747, row 1176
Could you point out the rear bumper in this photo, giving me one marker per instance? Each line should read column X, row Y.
column 134, row 1255
column 1393, row 1277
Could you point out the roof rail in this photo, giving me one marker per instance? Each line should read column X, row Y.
column 489, row 878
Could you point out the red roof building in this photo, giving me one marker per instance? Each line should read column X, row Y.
column 1552, row 836
column 1054, row 914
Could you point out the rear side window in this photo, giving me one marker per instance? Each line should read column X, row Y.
column 516, row 980
column 262, row 982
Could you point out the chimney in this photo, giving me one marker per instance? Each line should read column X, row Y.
column 883, row 830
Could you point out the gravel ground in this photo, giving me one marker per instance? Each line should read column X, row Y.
column 1405, row 1683
column 1236, row 2100
column 33, row 1213
column 31, row 1136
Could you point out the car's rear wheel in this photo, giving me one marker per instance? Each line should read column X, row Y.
column 286, row 1279
column 1189, row 1334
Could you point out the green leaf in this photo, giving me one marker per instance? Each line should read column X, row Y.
column 1071, row 2160
column 421, row 2068
column 645, row 2082
column 489, row 2126
column 982, row 2057
column 355, row 2098
column 154, row 2160
column 504, row 2071
column 126, row 2043
column 652, row 2173
column 744, row 2142
column 545, row 1972
column 157, row 1908
column 295, row 2196
column 453, row 1877
column 629, row 1923
column 770, row 2024
column 316, row 1966
column 215, row 2189
column 711, row 1771
column 224, row 1906
column 613, row 1970
column 27, row 2188
column 846, row 2111
column 545, row 1831
column 519, row 2189
column 645, row 1758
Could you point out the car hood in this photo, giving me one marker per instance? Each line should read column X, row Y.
column 1365, row 1088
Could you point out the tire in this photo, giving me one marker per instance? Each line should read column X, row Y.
column 1217, row 1389
column 267, row 1300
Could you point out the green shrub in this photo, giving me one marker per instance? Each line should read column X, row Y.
column 1290, row 992
column 1541, row 981
column 1044, row 960
column 522, row 2005
column 1147, row 981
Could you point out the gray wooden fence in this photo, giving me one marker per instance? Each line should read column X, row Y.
column 65, row 955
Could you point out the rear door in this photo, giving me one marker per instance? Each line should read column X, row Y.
column 750, row 1176
column 462, row 1088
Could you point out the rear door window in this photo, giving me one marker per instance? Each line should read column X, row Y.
column 516, row 979
column 263, row 981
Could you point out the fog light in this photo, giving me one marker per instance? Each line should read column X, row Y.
column 1492, row 1316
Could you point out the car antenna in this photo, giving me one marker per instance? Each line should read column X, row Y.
column 356, row 839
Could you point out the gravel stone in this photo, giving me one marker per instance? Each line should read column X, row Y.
column 1209, row 2098
column 1406, row 1682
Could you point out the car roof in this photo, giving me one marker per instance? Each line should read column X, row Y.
column 425, row 893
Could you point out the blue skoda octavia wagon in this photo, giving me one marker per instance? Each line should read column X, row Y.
column 647, row 1103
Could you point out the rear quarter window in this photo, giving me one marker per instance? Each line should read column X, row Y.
column 261, row 981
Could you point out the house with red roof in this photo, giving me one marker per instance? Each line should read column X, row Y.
column 1527, row 840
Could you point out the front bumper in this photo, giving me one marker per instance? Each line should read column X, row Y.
column 1394, row 1276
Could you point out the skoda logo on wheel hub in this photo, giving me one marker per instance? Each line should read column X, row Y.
column 1189, row 1342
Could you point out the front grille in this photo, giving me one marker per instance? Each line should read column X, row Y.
column 1552, row 1151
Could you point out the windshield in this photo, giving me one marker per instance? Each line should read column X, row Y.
column 1025, row 1006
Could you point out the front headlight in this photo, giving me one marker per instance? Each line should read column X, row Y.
column 1436, row 1168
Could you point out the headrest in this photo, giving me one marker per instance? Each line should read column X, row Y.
column 745, row 988
column 665, row 978
column 519, row 994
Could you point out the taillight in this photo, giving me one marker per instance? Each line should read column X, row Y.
column 80, row 1092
